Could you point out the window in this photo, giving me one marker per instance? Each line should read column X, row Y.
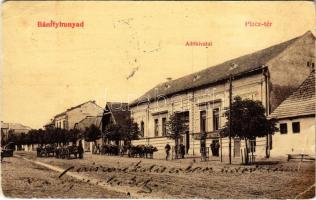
column 156, row 127
column 142, row 128
column 203, row 121
column 307, row 64
column 283, row 128
column 215, row 119
column 164, row 126
column 296, row 127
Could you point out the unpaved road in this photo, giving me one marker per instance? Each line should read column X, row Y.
column 23, row 179
column 156, row 178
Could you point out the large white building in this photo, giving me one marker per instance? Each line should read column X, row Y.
column 268, row 75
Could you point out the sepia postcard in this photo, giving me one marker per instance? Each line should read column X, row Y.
column 158, row 99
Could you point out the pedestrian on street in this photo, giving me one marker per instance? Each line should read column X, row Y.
column 213, row 148
column 80, row 150
column 167, row 148
column 216, row 149
column 98, row 148
column 182, row 150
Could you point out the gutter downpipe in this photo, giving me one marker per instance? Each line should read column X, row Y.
column 192, row 122
column 265, row 73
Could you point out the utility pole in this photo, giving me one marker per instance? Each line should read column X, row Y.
column 230, row 118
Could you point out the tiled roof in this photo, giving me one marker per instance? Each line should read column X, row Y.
column 299, row 103
column 88, row 121
column 51, row 122
column 60, row 114
column 119, row 111
column 72, row 108
column 246, row 63
column 15, row 126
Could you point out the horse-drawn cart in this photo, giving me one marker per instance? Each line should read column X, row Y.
column 45, row 151
column 67, row 152
column 142, row 151
column 60, row 152
column 7, row 150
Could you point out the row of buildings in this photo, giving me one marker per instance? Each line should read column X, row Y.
column 89, row 113
column 280, row 76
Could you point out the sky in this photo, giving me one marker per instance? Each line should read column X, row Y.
column 47, row 70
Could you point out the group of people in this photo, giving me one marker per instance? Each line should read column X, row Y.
column 215, row 146
column 179, row 148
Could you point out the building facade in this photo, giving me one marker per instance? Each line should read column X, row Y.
column 296, row 121
column 268, row 75
column 69, row 118
column 115, row 113
column 86, row 123
column 12, row 128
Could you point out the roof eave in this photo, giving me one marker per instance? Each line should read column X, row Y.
column 291, row 116
column 239, row 75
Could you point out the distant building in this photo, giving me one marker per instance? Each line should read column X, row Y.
column 296, row 121
column 12, row 128
column 115, row 113
column 49, row 125
column 269, row 75
column 86, row 123
column 69, row 118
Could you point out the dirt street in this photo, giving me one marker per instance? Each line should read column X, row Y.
column 156, row 178
column 23, row 179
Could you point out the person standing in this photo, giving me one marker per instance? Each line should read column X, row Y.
column 80, row 150
column 216, row 149
column 167, row 149
column 213, row 148
column 98, row 149
column 182, row 150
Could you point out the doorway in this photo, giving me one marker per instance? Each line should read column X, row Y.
column 236, row 147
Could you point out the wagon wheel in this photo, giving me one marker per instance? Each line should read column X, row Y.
column 60, row 152
column 67, row 153
column 43, row 152
column 57, row 154
column 63, row 153
column 39, row 153
column 129, row 154
column 46, row 153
